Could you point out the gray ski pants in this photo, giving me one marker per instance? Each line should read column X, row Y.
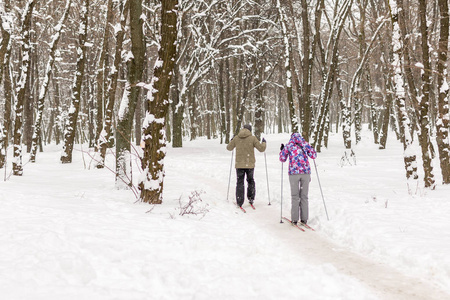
column 299, row 196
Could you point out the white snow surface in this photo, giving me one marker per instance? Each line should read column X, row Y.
column 67, row 233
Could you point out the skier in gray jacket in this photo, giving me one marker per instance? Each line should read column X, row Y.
column 245, row 143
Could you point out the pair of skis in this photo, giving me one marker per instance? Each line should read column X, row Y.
column 299, row 225
column 243, row 209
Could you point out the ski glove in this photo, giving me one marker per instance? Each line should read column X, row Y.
column 282, row 147
column 263, row 140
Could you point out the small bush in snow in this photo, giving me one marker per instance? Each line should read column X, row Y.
column 347, row 157
column 194, row 206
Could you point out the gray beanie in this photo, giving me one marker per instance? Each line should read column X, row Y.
column 248, row 126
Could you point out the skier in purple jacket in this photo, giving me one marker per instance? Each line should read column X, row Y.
column 298, row 150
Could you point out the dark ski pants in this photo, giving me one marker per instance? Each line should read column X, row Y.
column 299, row 196
column 240, row 174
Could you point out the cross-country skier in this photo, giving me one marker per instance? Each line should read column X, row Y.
column 245, row 143
column 298, row 150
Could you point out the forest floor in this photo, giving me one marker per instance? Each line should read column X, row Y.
column 67, row 233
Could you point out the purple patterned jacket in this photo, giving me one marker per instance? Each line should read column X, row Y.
column 298, row 151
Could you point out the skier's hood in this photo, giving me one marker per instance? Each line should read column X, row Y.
column 244, row 132
column 296, row 138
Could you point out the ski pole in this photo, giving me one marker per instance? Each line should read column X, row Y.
column 281, row 214
column 229, row 177
column 323, row 199
column 267, row 177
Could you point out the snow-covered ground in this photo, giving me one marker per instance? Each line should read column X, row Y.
column 67, row 233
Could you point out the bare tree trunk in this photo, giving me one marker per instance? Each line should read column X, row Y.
column 32, row 85
column 127, row 109
column 21, row 87
column 152, row 183
column 279, row 106
column 407, row 66
column 386, row 118
column 221, row 93
column 288, row 69
column 209, row 114
column 57, row 106
column 3, row 148
column 228, row 101
column 45, row 84
column 259, row 109
column 177, row 111
column 101, row 69
column 373, row 112
column 424, row 136
column 51, row 122
column 308, row 55
column 5, row 53
column 443, row 119
column 245, row 87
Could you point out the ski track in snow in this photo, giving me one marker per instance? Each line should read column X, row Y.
column 384, row 281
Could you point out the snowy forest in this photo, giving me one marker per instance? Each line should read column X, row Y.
column 131, row 76
column 116, row 182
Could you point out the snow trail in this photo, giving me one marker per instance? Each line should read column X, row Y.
column 68, row 233
column 383, row 280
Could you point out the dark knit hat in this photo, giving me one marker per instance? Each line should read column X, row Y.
column 248, row 126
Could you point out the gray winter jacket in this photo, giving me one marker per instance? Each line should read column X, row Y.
column 245, row 143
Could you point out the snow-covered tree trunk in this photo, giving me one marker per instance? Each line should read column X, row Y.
column 102, row 64
column 221, row 95
column 359, row 90
column 408, row 64
column 2, row 147
column 106, row 133
column 21, row 86
column 424, row 135
column 5, row 52
column 56, row 110
column 259, row 109
column 354, row 89
column 180, row 77
column 240, row 109
column 373, row 115
column 386, row 116
column 154, row 134
column 71, row 122
column 288, row 69
column 329, row 74
column 45, row 84
column 308, row 63
column 227, row 102
column 177, row 111
column 400, row 98
column 193, row 112
column 136, row 65
column 442, row 120
column 346, row 110
column 5, row 28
